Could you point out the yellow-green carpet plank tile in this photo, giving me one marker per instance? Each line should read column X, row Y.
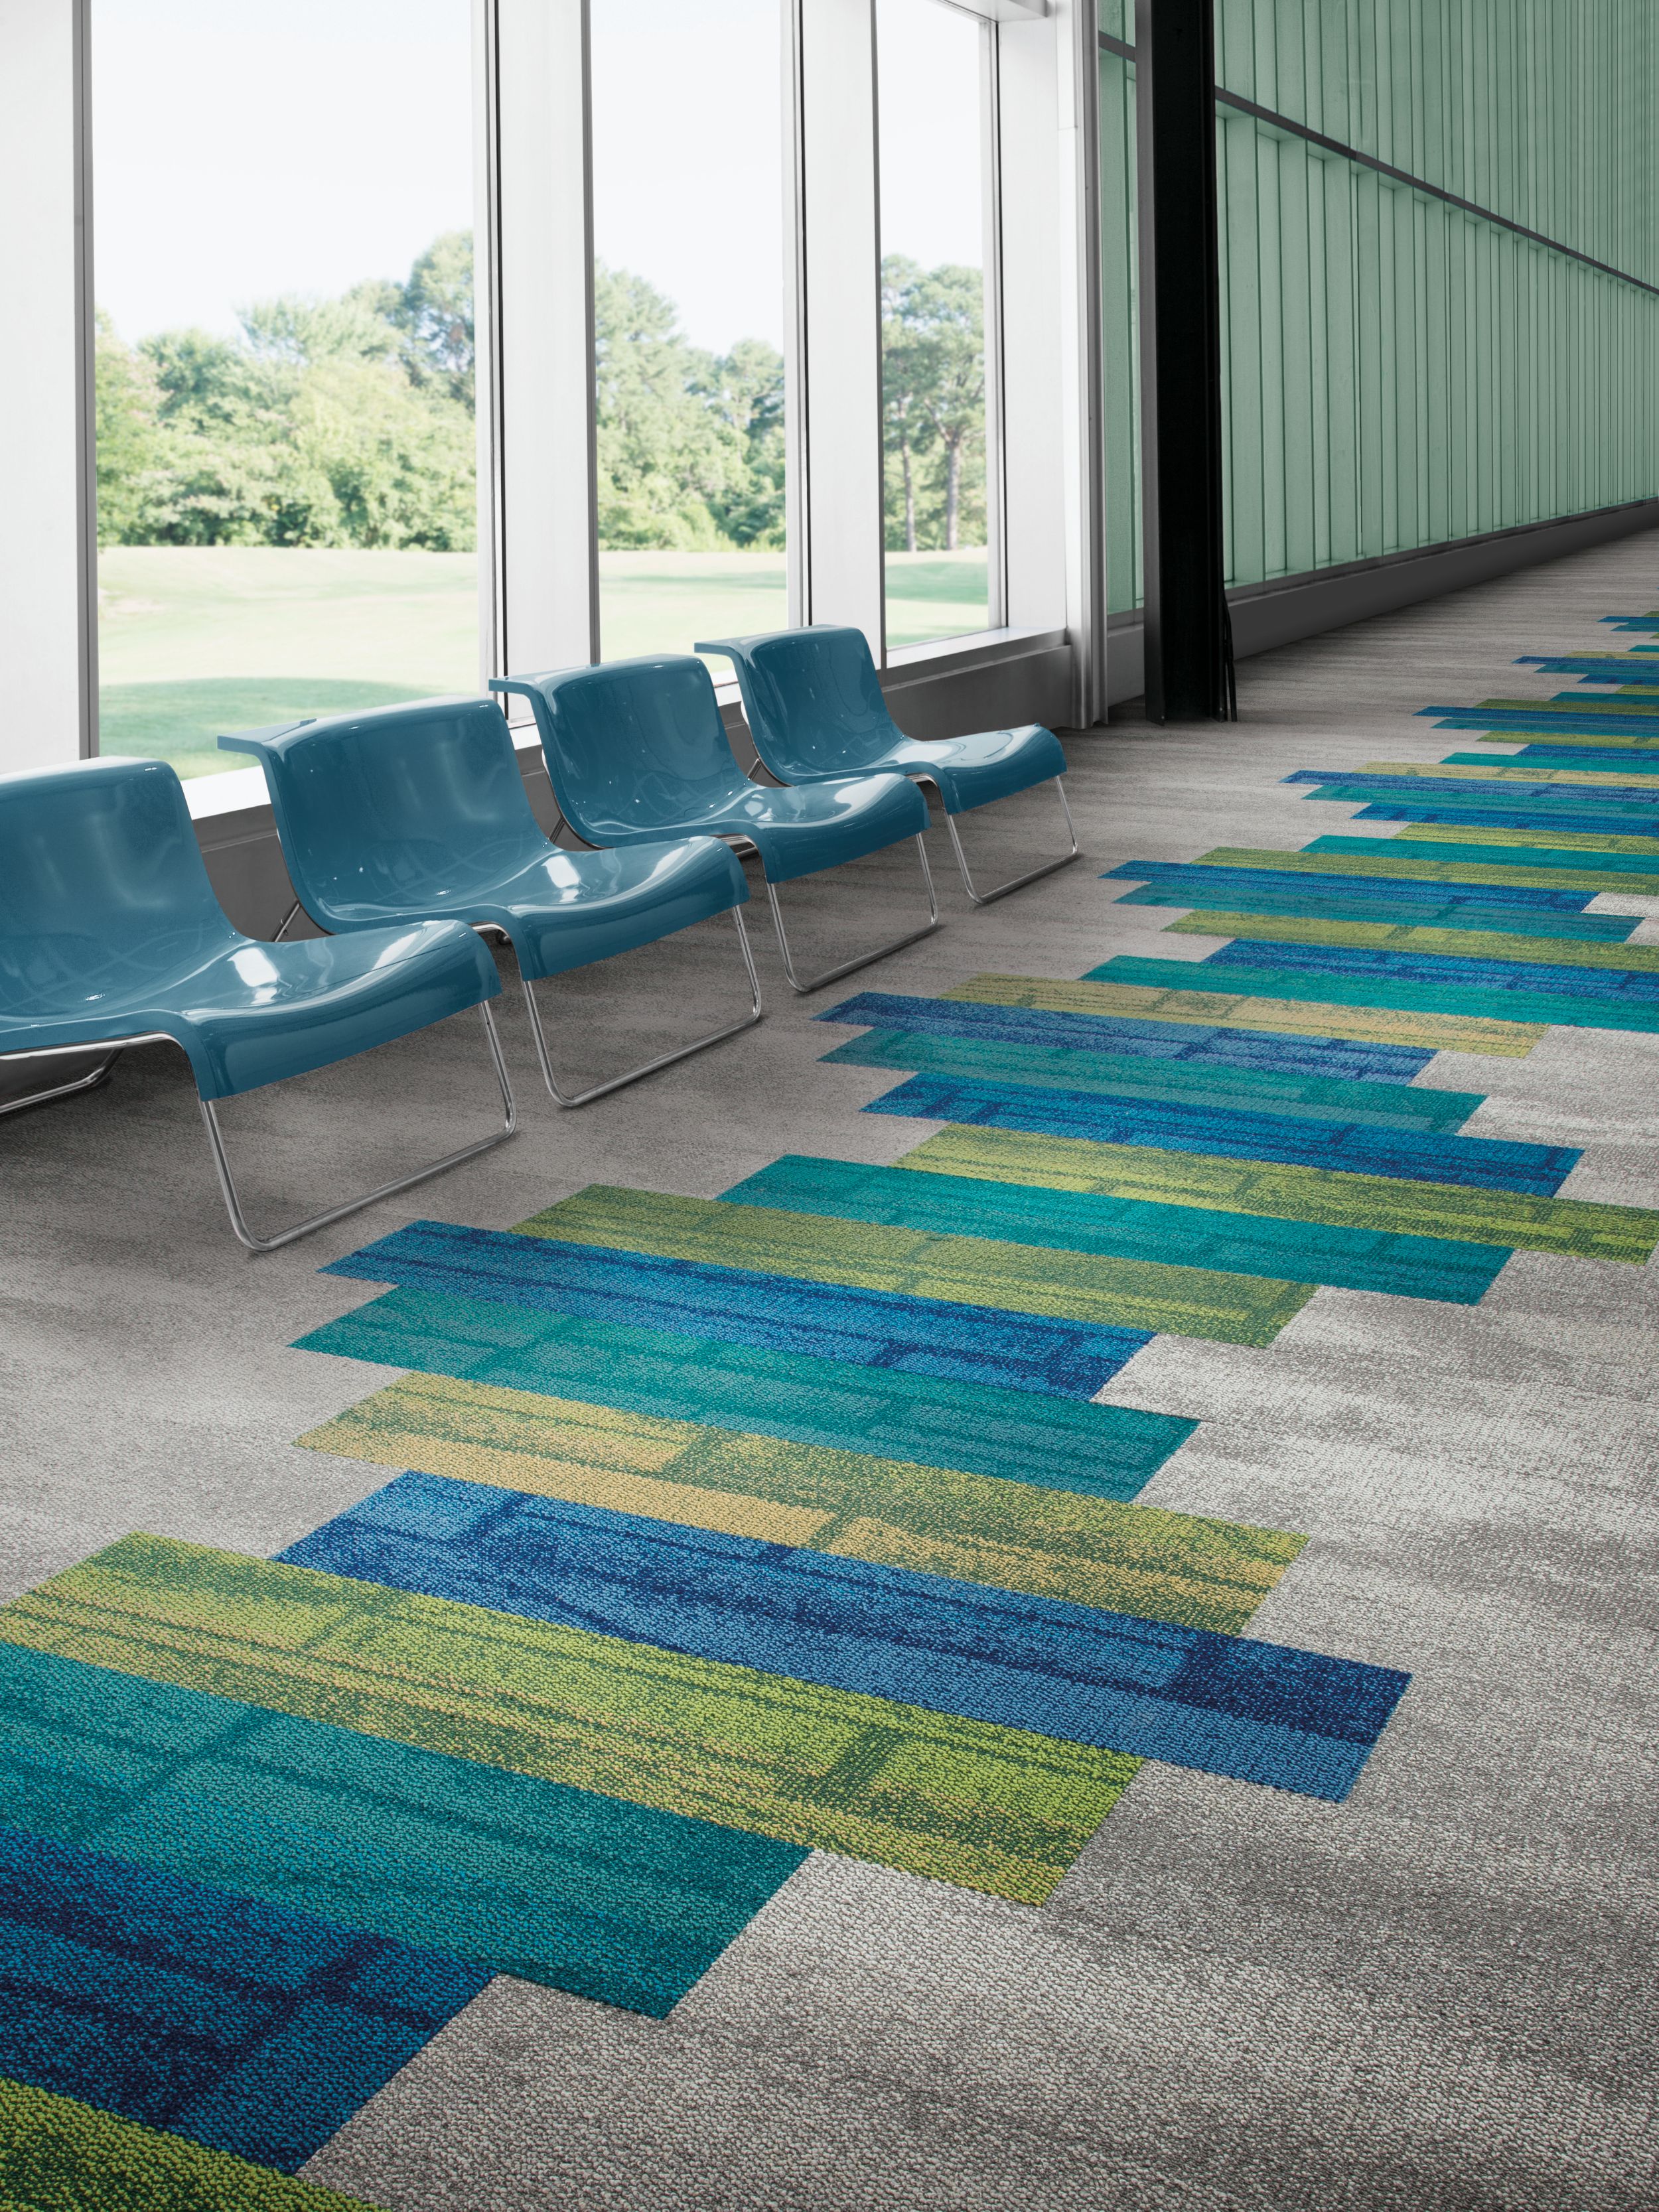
column 968, row 1270
column 1408, row 937
column 1635, row 741
column 1321, row 859
column 1564, row 841
column 933, row 1520
column 1283, row 1016
column 1578, row 1227
column 1634, row 699
column 965, row 1802
column 58, row 2155
column 1482, row 772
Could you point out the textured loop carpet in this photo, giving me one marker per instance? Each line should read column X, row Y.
column 721, row 1531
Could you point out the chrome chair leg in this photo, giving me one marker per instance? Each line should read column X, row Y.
column 864, row 959
column 98, row 1075
column 663, row 1058
column 234, row 1204
column 1014, row 883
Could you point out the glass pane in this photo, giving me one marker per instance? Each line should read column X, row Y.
column 287, row 497
column 688, row 223
column 930, row 60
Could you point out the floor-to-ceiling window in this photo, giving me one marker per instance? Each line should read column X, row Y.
column 286, row 498
column 932, row 64
column 689, row 204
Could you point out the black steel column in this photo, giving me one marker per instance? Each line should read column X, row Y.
column 1188, row 649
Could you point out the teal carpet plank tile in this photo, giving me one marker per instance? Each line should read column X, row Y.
column 1058, row 1443
column 1295, row 1251
column 1389, row 1105
column 1327, row 989
column 609, row 1900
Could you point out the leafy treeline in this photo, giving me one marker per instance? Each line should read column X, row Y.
column 349, row 422
column 933, row 371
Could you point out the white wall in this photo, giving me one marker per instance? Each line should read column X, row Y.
column 45, row 626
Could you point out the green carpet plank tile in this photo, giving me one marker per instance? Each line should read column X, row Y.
column 1058, row 1444
column 58, row 2155
column 1375, row 856
column 1406, row 936
column 1508, row 920
column 933, row 1520
column 579, row 1891
column 1591, row 1012
column 975, row 1270
column 1495, row 772
column 984, row 1807
column 1129, row 1075
column 1408, row 1266
column 1635, row 741
column 1576, row 840
column 1578, row 1227
column 1232, row 1010
column 1635, row 700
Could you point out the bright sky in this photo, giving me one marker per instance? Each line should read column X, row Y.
column 243, row 149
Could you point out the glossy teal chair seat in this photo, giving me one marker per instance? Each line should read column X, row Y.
column 415, row 813
column 816, row 709
column 110, row 935
column 636, row 752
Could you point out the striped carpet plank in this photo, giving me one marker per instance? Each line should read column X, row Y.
column 1579, row 1228
column 607, row 1900
column 1506, row 719
column 1526, row 801
column 1568, row 703
column 1552, row 841
column 1451, row 914
column 958, row 1800
column 244, row 2026
column 1482, row 1163
column 1359, row 856
column 1635, row 744
column 1487, row 997
column 940, row 1521
column 1387, row 1105
column 1409, row 937
column 1485, row 771
column 1314, row 884
column 58, row 2154
column 1610, row 996
column 1211, row 1047
column 1602, row 822
column 985, row 1274
column 1261, row 1712
column 992, row 1347
column 1061, row 1443
column 1408, row 1266
column 1253, row 1010
column 1640, row 767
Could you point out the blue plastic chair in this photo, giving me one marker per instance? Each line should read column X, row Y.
column 815, row 709
column 110, row 935
column 418, row 813
column 636, row 750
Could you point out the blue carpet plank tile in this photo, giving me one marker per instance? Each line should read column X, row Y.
column 1229, row 1705
column 1129, row 1228
column 1386, row 1105
column 1177, row 1040
column 1518, row 718
column 1620, row 798
column 1457, row 914
column 564, row 1886
column 1058, row 1443
column 1637, row 985
column 1592, row 757
column 1217, row 884
column 1260, row 979
column 1594, row 668
column 237, row 2023
column 1477, row 1162
column 1491, row 818
column 990, row 1345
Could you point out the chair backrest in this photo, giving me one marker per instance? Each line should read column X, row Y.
column 396, row 807
column 635, row 748
column 813, row 701
column 102, row 884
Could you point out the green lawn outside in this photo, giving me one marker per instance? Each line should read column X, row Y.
column 194, row 640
